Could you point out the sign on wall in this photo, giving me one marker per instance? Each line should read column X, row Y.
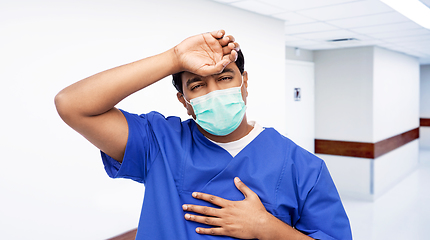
column 297, row 94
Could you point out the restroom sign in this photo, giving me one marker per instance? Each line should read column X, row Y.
column 297, row 94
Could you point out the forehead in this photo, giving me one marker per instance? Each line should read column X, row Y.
column 187, row 75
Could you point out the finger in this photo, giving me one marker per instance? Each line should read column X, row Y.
column 208, row 211
column 218, row 34
column 231, row 46
column 212, row 221
column 210, row 231
column 232, row 39
column 234, row 46
column 246, row 191
column 228, row 58
column 208, row 197
column 226, row 40
column 226, row 50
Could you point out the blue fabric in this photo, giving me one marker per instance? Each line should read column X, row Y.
column 174, row 159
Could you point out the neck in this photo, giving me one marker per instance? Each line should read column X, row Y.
column 241, row 131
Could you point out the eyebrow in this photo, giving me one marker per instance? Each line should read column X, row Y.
column 197, row 79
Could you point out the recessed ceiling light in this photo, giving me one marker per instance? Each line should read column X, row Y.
column 412, row 9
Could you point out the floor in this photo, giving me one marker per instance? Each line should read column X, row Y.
column 401, row 213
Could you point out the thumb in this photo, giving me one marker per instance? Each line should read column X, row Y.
column 245, row 190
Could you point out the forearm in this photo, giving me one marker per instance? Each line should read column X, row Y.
column 272, row 228
column 101, row 92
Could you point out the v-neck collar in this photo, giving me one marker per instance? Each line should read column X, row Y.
column 238, row 144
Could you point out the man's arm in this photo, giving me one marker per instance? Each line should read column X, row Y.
column 88, row 105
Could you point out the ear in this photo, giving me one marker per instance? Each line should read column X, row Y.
column 180, row 97
column 245, row 81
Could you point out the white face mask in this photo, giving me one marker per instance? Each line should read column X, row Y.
column 219, row 112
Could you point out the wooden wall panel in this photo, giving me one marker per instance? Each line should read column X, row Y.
column 425, row 122
column 344, row 148
column 389, row 144
column 130, row 235
column 363, row 149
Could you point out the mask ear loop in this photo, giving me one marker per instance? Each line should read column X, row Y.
column 186, row 99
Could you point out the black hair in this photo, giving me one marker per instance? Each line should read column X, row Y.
column 177, row 79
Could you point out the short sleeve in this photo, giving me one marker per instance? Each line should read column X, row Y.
column 323, row 215
column 141, row 149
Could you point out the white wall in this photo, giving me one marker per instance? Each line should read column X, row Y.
column 300, row 119
column 395, row 93
column 395, row 110
column 367, row 94
column 425, row 105
column 343, row 94
column 425, row 91
column 52, row 181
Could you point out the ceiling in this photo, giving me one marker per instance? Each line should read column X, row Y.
column 311, row 24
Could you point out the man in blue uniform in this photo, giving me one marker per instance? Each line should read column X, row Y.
column 195, row 171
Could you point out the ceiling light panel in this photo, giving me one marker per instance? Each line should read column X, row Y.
column 370, row 20
column 258, row 7
column 413, row 9
column 347, row 10
column 426, row 2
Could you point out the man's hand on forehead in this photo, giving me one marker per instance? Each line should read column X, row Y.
column 206, row 54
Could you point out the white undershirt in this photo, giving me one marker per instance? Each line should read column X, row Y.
column 236, row 146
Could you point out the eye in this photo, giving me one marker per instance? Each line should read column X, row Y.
column 225, row 78
column 196, row 86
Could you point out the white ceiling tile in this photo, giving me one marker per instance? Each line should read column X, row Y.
column 329, row 35
column 372, row 42
column 227, row 1
column 370, row 20
column 292, row 38
column 292, row 18
column 321, row 46
column 301, row 43
column 386, row 45
column 387, row 28
column 294, row 5
column 258, row 7
column 417, row 38
column 394, row 34
column 347, row 10
column 417, row 45
column 308, row 28
column 416, row 53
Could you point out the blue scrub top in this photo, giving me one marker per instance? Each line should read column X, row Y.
column 174, row 159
